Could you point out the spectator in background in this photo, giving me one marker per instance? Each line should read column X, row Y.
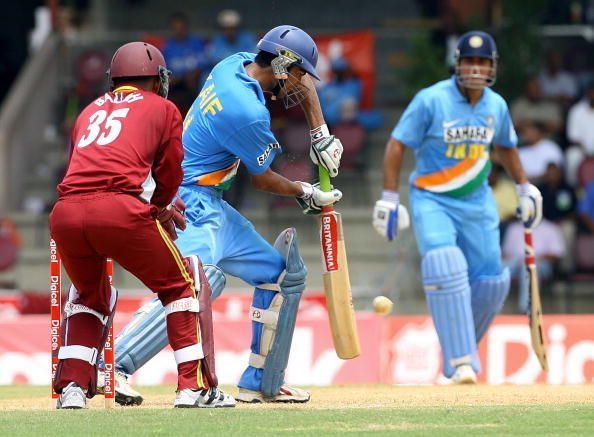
column 532, row 108
column 559, row 206
column 186, row 58
column 586, row 210
column 580, row 132
column 231, row 38
column 556, row 83
column 537, row 152
column 506, row 199
column 549, row 247
column 341, row 98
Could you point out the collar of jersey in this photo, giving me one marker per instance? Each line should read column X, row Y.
column 125, row 89
column 249, row 79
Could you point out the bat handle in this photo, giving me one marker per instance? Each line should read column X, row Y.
column 530, row 256
column 325, row 185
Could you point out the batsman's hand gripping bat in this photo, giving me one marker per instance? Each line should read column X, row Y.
column 337, row 285
column 535, row 310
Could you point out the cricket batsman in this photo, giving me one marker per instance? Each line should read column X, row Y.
column 452, row 126
column 116, row 202
column 228, row 124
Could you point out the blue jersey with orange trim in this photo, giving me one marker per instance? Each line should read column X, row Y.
column 451, row 138
column 227, row 122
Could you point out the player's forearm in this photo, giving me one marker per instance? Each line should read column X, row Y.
column 510, row 160
column 311, row 105
column 275, row 183
column 392, row 163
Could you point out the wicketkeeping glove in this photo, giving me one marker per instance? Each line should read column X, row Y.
column 172, row 216
column 530, row 209
column 389, row 216
column 326, row 150
column 314, row 199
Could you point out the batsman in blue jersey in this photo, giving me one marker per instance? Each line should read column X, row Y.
column 452, row 127
column 229, row 124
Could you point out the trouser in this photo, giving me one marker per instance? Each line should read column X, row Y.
column 90, row 228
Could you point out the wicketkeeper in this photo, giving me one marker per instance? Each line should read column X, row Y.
column 116, row 202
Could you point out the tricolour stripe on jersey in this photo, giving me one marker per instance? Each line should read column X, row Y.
column 220, row 179
column 459, row 180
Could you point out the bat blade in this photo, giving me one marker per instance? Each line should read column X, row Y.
column 535, row 308
column 337, row 287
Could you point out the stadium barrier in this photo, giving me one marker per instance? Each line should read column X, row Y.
column 395, row 349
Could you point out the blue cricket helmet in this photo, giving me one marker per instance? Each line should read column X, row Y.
column 476, row 44
column 290, row 41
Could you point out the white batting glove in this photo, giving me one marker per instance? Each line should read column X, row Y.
column 389, row 216
column 530, row 209
column 326, row 150
column 313, row 199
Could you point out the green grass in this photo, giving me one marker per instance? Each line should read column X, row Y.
column 295, row 420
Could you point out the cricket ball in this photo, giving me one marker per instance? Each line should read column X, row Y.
column 382, row 305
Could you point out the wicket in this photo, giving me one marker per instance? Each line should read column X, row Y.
column 56, row 325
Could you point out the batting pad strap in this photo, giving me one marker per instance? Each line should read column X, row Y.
column 257, row 360
column 184, row 304
column 78, row 352
column 266, row 317
column 270, row 287
column 189, row 353
column 71, row 309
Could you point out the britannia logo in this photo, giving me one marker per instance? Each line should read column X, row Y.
column 329, row 238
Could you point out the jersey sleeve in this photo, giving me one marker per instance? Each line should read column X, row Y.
column 413, row 124
column 505, row 134
column 166, row 170
column 255, row 145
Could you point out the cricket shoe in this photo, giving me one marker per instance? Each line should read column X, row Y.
column 208, row 398
column 286, row 394
column 125, row 395
column 72, row 398
column 464, row 374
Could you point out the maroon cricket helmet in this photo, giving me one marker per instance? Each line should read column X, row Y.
column 139, row 59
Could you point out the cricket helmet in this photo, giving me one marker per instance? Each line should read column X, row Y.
column 139, row 59
column 480, row 45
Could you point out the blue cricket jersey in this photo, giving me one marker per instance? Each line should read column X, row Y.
column 452, row 139
column 227, row 123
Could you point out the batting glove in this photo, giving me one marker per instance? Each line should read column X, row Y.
column 326, row 150
column 530, row 209
column 313, row 199
column 389, row 216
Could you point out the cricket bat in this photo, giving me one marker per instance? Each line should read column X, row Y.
column 535, row 309
column 337, row 285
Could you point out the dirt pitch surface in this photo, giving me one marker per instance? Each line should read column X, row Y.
column 352, row 397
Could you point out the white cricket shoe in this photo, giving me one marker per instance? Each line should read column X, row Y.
column 286, row 394
column 464, row 374
column 72, row 398
column 125, row 395
column 208, row 398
